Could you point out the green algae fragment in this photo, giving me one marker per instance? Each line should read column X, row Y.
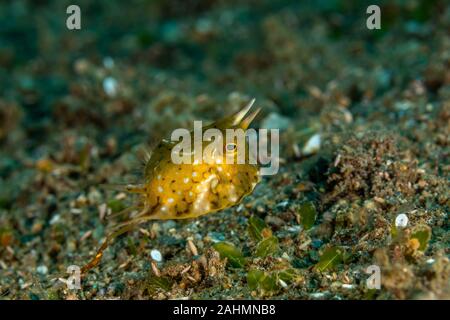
column 423, row 234
column 255, row 227
column 53, row 295
column 288, row 275
column 132, row 247
column 307, row 213
column 394, row 231
column 234, row 255
column 116, row 205
column 85, row 158
column 269, row 282
column 254, row 277
column 330, row 258
column 371, row 294
column 266, row 247
column 264, row 281
column 155, row 284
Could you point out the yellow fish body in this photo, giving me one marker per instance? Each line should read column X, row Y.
column 181, row 191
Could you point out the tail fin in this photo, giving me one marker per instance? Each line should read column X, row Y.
column 98, row 256
column 122, row 228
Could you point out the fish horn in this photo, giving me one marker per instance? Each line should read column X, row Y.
column 237, row 117
column 248, row 120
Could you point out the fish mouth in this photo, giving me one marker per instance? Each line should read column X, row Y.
column 242, row 119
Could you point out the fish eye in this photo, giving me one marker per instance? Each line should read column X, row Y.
column 230, row 147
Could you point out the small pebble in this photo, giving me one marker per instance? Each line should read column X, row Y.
column 316, row 244
column 282, row 283
column 75, row 211
column 216, row 236
column 275, row 121
column 94, row 196
column 283, row 204
column 286, row 256
column 317, row 295
column 192, row 247
column 102, row 209
column 110, row 86
column 274, row 221
column 42, row 269
column 108, row 62
column 401, row 221
column 166, row 226
column 156, row 255
column 81, row 66
column 293, row 229
column 312, row 145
